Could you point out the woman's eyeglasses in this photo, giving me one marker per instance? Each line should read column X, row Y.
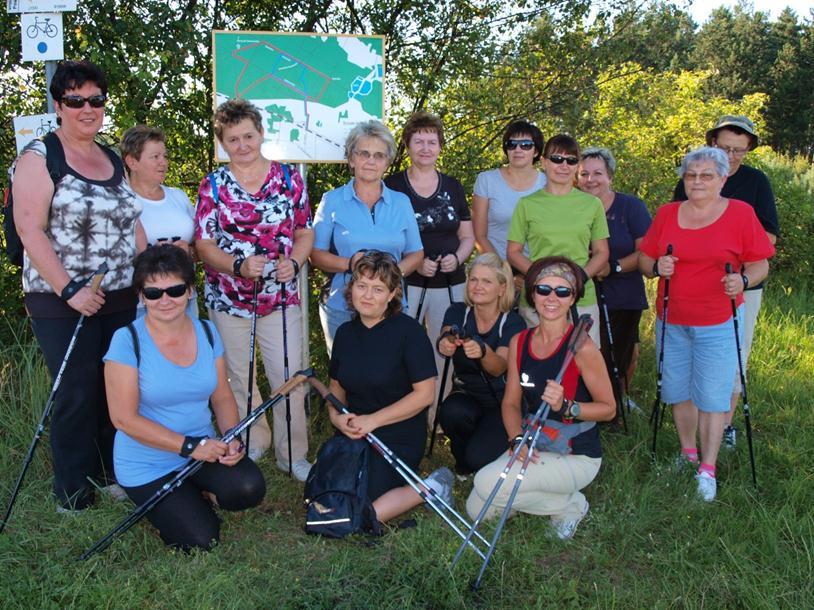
column 152, row 293
column 703, row 176
column 558, row 159
column 523, row 144
column 562, row 292
column 366, row 155
column 77, row 101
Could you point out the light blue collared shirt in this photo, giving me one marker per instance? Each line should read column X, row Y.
column 344, row 225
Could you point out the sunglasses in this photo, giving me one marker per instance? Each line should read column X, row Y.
column 153, row 294
column 558, row 159
column 562, row 292
column 523, row 144
column 77, row 101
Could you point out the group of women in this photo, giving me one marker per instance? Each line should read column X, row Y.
column 503, row 324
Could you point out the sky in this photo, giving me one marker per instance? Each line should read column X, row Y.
column 700, row 9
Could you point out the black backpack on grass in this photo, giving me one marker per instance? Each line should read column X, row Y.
column 336, row 502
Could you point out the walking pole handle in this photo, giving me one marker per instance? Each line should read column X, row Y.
column 97, row 278
column 729, row 268
column 669, row 249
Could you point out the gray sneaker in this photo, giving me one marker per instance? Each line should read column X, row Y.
column 730, row 437
column 441, row 482
column 565, row 529
column 707, row 486
column 115, row 491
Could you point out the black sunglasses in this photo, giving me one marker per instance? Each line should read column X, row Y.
column 523, row 144
column 153, row 294
column 562, row 292
column 558, row 159
column 77, row 101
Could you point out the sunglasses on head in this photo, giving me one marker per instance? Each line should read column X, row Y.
column 558, row 159
column 523, row 144
column 152, row 293
column 561, row 291
column 77, row 101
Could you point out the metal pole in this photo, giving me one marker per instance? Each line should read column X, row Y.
column 305, row 293
column 50, row 69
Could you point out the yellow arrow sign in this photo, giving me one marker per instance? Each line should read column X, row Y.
column 25, row 132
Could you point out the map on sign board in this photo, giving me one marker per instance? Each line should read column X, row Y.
column 311, row 89
column 40, row 6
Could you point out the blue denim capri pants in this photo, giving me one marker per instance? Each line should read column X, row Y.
column 700, row 363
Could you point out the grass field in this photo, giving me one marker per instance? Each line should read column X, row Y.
column 647, row 543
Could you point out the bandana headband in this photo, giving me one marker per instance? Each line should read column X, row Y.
column 558, row 270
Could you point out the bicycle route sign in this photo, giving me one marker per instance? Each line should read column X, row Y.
column 26, row 128
column 311, row 89
column 42, row 36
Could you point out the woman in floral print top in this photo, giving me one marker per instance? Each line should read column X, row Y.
column 253, row 224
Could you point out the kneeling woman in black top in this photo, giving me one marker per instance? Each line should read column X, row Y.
column 557, row 472
column 382, row 368
column 470, row 415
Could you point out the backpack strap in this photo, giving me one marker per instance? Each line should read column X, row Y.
column 287, row 176
column 136, row 346
column 207, row 332
column 55, row 157
column 503, row 317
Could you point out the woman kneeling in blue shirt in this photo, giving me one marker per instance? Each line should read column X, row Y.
column 165, row 370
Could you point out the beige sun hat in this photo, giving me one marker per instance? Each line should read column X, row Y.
column 732, row 120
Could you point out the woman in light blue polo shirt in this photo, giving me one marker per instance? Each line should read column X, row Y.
column 362, row 215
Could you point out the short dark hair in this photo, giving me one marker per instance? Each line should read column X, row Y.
column 519, row 128
column 422, row 121
column 163, row 259
column 547, row 261
column 74, row 74
column 561, row 142
column 380, row 266
column 738, row 131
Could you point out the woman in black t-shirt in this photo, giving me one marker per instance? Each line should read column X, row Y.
column 444, row 220
column 382, row 369
column 568, row 453
column 476, row 336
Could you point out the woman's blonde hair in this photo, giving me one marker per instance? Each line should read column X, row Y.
column 504, row 277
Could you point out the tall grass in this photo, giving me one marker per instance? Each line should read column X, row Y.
column 648, row 541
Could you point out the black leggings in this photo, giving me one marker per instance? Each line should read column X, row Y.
column 625, row 328
column 185, row 519
column 475, row 431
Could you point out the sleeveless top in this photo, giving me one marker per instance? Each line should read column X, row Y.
column 89, row 222
column 538, row 371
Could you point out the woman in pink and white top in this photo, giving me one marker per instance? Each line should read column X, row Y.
column 253, row 224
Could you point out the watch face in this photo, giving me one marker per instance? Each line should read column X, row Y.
column 618, row 268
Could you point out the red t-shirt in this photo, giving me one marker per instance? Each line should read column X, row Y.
column 697, row 296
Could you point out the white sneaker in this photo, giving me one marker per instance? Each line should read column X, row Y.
column 299, row 469
column 441, row 481
column 255, row 453
column 566, row 528
column 707, row 486
column 634, row 408
column 115, row 491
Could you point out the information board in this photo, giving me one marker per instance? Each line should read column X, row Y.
column 311, row 89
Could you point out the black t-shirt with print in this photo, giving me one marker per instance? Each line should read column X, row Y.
column 438, row 217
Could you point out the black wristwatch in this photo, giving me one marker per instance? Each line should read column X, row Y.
column 237, row 264
column 296, row 266
column 656, row 269
column 615, row 266
column 71, row 288
column 572, row 410
column 745, row 279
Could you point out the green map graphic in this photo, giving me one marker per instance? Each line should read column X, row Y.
column 311, row 88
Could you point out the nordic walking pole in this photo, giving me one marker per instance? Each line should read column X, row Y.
column 421, row 299
column 252, row 333
column 283, row 295
column 619, row 386
column 655, row 413
column 428, row 494
column 578, row 335
column 447, row 360
column 746, row 413
column 192, row 466
column 95, row 282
